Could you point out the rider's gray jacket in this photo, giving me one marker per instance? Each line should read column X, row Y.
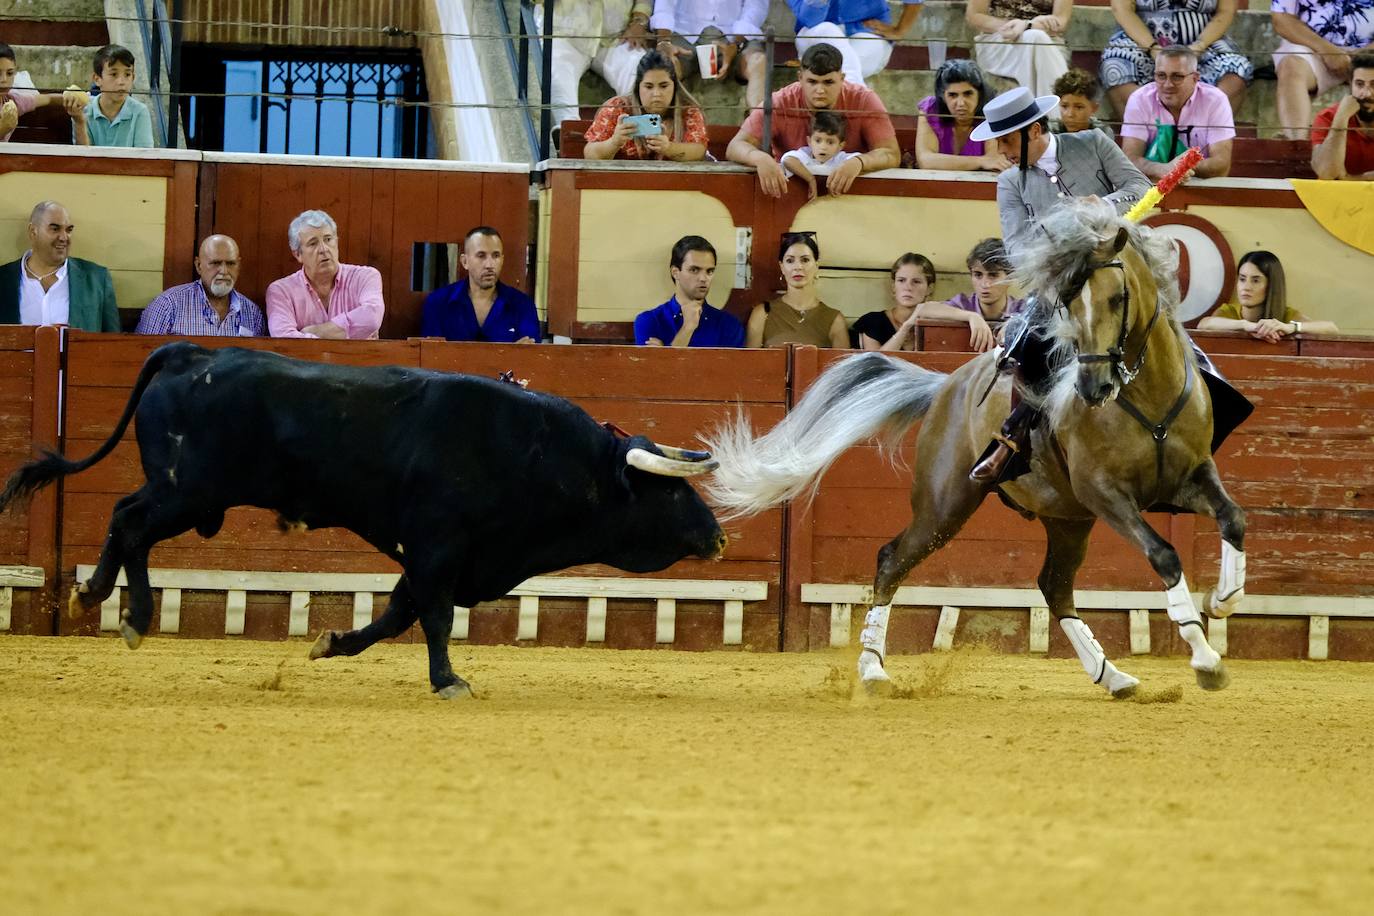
column 1088, row 163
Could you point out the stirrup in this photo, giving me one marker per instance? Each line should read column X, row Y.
column 1009, row 442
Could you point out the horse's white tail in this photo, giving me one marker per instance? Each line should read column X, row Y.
column 867, row 395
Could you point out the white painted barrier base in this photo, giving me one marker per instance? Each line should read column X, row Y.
column 363, row 586
column 12, row 577
column 1318, row 609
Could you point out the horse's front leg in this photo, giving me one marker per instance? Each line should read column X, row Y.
column 1204, row 494
column 1123, row 515
column 1068, row 543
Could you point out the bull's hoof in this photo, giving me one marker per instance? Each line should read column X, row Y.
column 324, row 645
column 1216, row 679
column 132, row 638
column 1221, row 609
column 459, row 691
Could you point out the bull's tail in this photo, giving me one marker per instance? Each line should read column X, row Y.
column 39, row 473
column 864, row 396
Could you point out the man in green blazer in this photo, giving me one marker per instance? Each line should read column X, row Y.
column 45, row 286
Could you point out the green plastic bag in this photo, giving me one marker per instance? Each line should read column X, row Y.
column 1161, row 148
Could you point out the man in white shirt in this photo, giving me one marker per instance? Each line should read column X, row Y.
column 46, row 286
column 735, row 27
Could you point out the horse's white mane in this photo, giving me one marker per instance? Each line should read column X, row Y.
column 1053, row 266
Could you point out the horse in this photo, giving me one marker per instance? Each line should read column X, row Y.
column 1114, row 339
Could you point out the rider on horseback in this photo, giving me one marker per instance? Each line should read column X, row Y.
column 1050, row 168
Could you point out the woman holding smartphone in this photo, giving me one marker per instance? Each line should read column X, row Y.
column 617, row 131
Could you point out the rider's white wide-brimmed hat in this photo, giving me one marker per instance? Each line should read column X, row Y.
column 1012, row 110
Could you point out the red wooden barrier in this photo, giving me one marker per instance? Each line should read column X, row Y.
column 668, row 395
column 29, row 361
column 101, row 369
column 1299, row 467
column 382, row 212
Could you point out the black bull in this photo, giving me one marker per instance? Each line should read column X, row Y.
column 471, row 485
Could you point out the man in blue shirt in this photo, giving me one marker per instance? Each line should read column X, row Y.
column 481, row 307
column 686, row 320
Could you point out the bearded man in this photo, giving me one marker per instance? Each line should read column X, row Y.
column 210, row 306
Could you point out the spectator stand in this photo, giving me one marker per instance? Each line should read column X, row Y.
column 606, row 229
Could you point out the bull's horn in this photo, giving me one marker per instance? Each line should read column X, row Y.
column 650, row 463
column 682, row 454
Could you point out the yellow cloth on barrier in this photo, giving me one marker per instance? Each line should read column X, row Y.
column 1344, row 208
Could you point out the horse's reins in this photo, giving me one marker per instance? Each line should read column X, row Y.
column 1117, row 357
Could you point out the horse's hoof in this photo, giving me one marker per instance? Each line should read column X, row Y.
column 1216, row 679
column 878, row 687
column 1220, row 610
column 1123, row 686
column 74, row 606
column 875, row 681
column 324, row 645
column 459, row 691
column 132, row 638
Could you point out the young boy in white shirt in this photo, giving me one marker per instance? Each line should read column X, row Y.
column 823, row 151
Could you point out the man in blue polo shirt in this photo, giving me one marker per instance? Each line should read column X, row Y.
column 480, row 306
column 686, row 320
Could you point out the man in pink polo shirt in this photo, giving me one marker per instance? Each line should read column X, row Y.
column 821, row 86
column 324, row 299
column 1175, row 112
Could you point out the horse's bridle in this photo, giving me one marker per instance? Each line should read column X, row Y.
column 1116, row 355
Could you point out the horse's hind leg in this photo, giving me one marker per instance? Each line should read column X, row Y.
column 1204, row 494
column 941, row 503
column 1126, row 520
column 1068, row 543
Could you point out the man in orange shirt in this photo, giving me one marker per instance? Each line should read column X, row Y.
column 1348, row 153
column 821, row 86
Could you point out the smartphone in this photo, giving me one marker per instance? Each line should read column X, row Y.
column 646, row 125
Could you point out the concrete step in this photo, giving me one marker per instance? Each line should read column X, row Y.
column 53, row 10
column 56, row 67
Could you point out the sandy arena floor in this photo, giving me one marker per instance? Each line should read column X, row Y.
column 235, row 777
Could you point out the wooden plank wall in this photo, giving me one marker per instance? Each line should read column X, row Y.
column 381, row 212
column 645, row 394
column 29, row 362
column 308, row 23
column 1299, row 467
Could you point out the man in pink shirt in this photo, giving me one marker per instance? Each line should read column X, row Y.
column 821, row 86
column 324, row 299
column 1187, row 111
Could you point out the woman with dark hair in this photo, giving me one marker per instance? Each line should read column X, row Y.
column 894, row 328
column 1261, row 308
column 657, row 92
column 798, row 316
column 945, row 120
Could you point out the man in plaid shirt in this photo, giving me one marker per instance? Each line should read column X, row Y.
column 210, row 306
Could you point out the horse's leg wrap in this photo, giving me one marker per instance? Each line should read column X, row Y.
column 1103, row 672
column 873, row 640
column 1183, row 613
column 1223, row 600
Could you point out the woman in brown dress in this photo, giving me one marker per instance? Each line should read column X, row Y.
column 798, row 316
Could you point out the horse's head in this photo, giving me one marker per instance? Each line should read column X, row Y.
column 1108, row 301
